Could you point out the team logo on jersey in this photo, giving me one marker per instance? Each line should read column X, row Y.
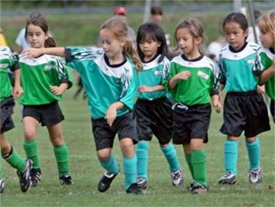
column 4, row 65
column 158, row 73
column 49, row 67
column 203, row 75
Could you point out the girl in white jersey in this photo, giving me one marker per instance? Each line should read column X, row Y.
column 153, row 108
column 266, row 24
column 109, row 78
column 193, row 81
column 244, row 108
column 44, row 79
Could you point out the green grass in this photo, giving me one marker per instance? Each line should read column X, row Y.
column 83, row 29
column 86, row 171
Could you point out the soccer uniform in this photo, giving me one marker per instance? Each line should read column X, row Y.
column 192, row 109
column 37, row 75
column 153, row 109
column 155, row 117
column 266, row 59
column 104, row 85
column 8, row 61
column 244, row 108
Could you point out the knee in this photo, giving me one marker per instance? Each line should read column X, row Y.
column 30, row 135
column 58, row 140
column 103, row 156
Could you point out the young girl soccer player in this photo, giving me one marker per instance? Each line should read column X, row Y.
column 109, row 78
column 193, row 79
column 153, row 108
column 244, row 108
column 44, row 79
column 9, row 61
column 266, row 24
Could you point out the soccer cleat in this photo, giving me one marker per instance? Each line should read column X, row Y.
column 25, row 176
column 35, row 177
column 2, row 185
column 177, row 178
column 134, row 189
column 190, row 186
column 255, row 176
column 228, row 178
column 142, row 183
column 66, row 180
column 198, row 188
column 105, row 181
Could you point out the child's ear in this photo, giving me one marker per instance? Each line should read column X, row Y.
column 198, row 40
column 47, row 35
column 246, row 32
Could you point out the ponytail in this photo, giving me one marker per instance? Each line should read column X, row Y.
column 50, row 42
column 130, row 51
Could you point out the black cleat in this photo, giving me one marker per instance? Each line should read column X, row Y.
column 35, row 177
column 134, row 189
column 66, row 180
column 2, row 185
column 142, row 183
column 228, row 178
column 105, row 181
column 25, row 176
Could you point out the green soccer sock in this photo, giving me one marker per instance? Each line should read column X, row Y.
column 62, row 158
column 15, row 160
column 188, row 160
column 253, row 149
column 171, row 156
column 130, row 170
column 110, row 165
column 198, row 160
column 142, row 158
column 31, row 152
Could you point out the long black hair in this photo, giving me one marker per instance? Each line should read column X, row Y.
column 154, row 32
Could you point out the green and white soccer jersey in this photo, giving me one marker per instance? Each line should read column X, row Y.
column 203, row 81
column 237, row 68
column 38, row 74
column 104, row 85
column 266, row 60
column 153, row 73
column 8, row 61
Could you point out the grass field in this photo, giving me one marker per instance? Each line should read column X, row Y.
column 86, row 171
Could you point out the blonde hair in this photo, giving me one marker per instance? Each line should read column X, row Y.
column 266, row 23
column 195, row 28
column 120, row 30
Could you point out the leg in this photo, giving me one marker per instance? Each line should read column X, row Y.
column 253, row 148
column 109, row 163
column 129, row 165
column 142, row 159
column 61, row 153
column 170, row 154
column 230, row 160
column 187, row 152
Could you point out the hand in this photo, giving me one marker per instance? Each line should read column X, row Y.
column 185, row 75
column 261, row 89
column 17, row 91
column 56, row 90
column 32, row 53
column 111, row 115
column 217, row 106
column 143, row 89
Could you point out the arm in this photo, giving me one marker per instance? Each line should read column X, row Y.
column 33, row 52
column 17, row 90
column 216, row 103
column 58, row 90
column 112, row 112
column 185, row 75
column 149, row 89
column 267, row 74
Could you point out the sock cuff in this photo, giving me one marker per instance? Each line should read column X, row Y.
column 168, row 148
column 143, row 145
column 8, row 155
column 256, row 142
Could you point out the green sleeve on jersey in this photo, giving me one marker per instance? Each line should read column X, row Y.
column 129, row 83
column 216, row 79
column 64, row 74
column 171, row 72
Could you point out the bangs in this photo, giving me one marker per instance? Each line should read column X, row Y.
column 266, row 23
column 148, row 36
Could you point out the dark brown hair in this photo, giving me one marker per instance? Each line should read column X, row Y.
column 239, row 18
column 41, row 22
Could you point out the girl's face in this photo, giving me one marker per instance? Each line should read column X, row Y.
column 187, row 42
column 149, row 48
column 111, row 45
column 267, row 39
column 235, row 35
column 36, row 36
